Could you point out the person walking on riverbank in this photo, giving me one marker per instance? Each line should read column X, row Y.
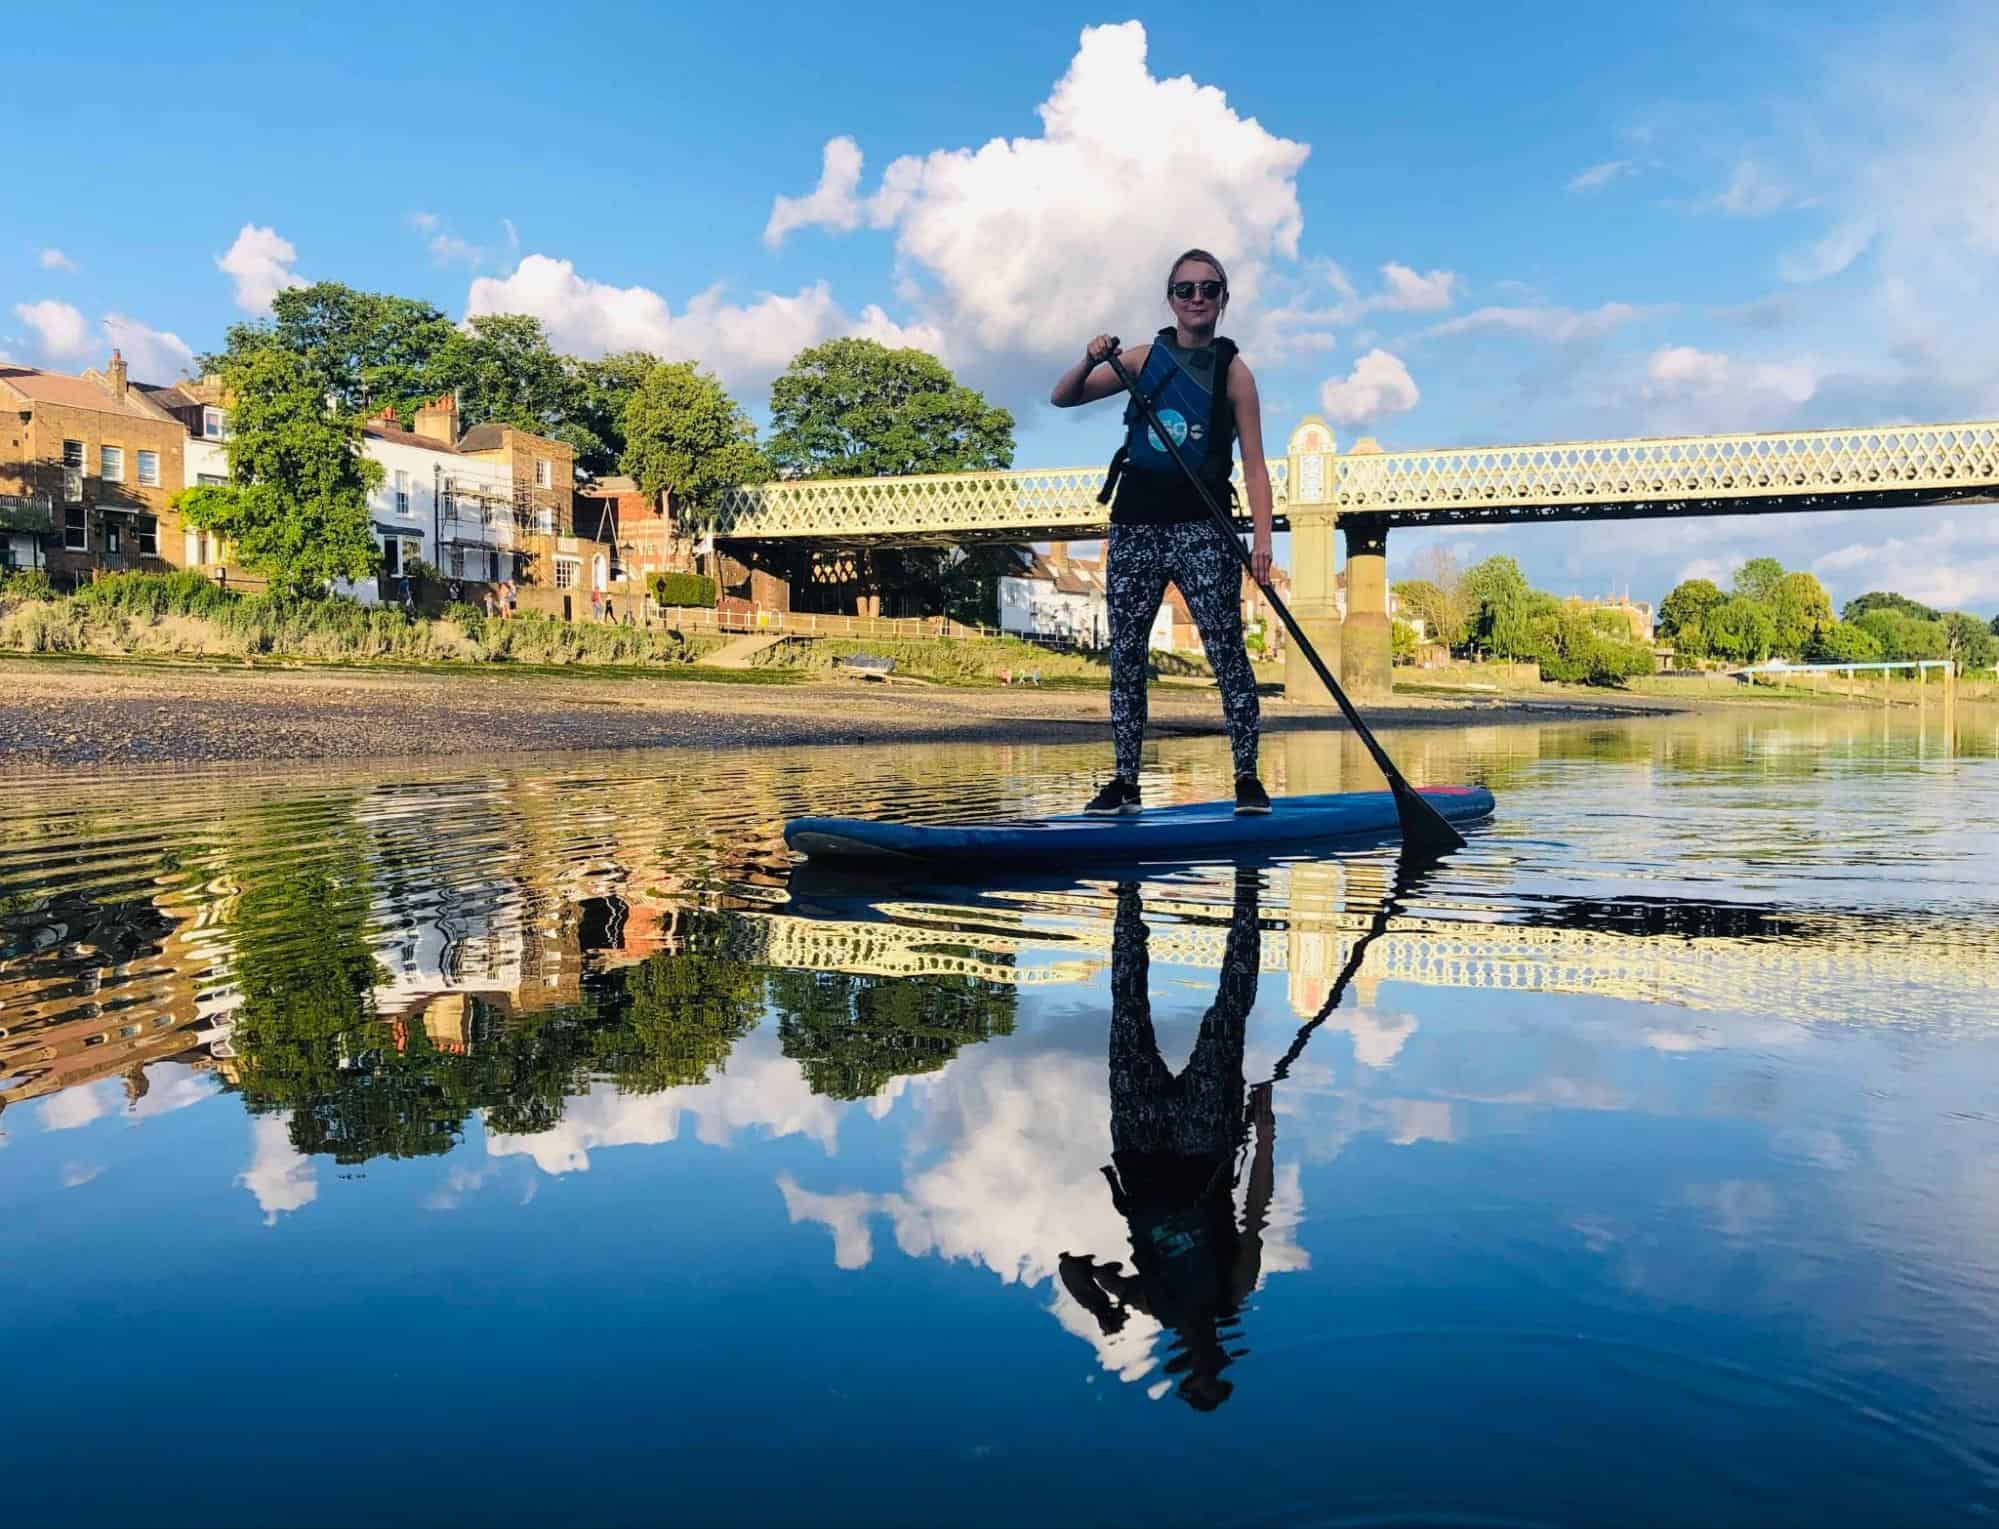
column 1160, row 529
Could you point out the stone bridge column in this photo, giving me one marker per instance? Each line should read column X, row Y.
column 1310, row 480
column 1367, row 644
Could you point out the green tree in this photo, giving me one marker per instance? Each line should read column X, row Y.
column 1798, row 606
column 1885, row 600
column 366, row 349
column 1498, row 603
column 854, row 408
column 1683, row 615
column 1439, row 609
column 1757, row 578
column 1740, row 631
column 603, row 388
column 684, row 433
column 1841, row 642
column 1903, row 636
column 505, row 372
column 297, row 508
column 1402, row 641
column 1969, row 641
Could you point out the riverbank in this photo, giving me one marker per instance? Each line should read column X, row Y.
column 107, row 712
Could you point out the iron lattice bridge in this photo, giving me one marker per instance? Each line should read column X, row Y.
column 1899, row 467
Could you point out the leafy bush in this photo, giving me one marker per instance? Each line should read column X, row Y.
column 185, row 593
column 686, row 589
column 470, row 619
column 30, row 584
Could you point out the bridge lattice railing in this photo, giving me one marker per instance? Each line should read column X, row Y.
column 1905, row 460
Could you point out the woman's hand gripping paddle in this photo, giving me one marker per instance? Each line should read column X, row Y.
column 1424, row 829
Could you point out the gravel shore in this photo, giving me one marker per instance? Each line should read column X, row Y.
column 99, row 713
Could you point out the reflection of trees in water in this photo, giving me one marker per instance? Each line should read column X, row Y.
column 853, row 1034
column 682, row 1017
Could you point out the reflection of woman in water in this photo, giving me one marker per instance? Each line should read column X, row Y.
column 1174, row 1161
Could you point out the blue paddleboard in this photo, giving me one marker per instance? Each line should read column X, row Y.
column 1161, row 833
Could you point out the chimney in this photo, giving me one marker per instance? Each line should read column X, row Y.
column 115, row 375
column 438, row 419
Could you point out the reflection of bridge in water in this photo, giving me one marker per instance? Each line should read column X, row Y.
column 1368, row 492
column 1690, row 955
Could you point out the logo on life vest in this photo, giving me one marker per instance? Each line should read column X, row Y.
column 1176, row 426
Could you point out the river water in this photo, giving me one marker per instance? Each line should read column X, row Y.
column 536, row 1143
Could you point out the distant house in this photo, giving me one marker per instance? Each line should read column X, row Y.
column 640, row 530
column 202, row 409
column 1057, row 597
column 1638, row 613
column 435, row 505
column 87, row 467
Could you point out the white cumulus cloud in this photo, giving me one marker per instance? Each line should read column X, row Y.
column 1543, row 321
column 743, row 344
column 63, row 333
column 151, row 355
column 1378, row 385
column 1683, row 371
column 1023, row 247
column 1409, row 291
column 53, row 259
column 260, row 264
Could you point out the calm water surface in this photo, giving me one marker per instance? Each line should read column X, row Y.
column 537, row 1143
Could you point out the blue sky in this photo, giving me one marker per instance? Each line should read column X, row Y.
column 1455, row 226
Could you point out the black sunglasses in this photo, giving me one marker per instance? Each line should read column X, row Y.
column 1186, row 289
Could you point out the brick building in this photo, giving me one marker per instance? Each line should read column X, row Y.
column 556, row 568
column 87, row 465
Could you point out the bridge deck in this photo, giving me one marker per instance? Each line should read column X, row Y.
column 1902, row 466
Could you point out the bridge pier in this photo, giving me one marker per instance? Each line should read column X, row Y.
column 1315, row 602
column 1367, row 649
column 1314, row 587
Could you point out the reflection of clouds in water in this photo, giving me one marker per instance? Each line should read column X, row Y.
column 459, row 1183
column 1408, row 1121
column 171, row 1086
column 280, row 1178
column 1740, row 1209
column 760, row 1088
column 1019, row 1142
column 75, row 1107
column 75, row 1175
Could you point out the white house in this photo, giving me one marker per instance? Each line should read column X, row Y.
column 435, row 504
column 205, row 459
column 1063, row 598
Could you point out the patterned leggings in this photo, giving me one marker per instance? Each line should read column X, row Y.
column 1193, row 556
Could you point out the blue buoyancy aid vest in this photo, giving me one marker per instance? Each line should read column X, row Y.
column 1189, row 391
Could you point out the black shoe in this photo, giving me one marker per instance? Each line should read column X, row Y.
column 1250, row 797
column 1118, row 796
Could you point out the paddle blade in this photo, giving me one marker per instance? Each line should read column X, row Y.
column 1424, row 829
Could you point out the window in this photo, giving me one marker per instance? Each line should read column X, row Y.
column 458, row 562
column 210, row 480
column 76, row 529
column 391, row 557
column 114, row 537
column 111, row 463
column 565, row 572
column 149, row 469
column 191, row 552
column 493, row 567
column 211, row 423
column 450, row 501
column 543, row 476
column 72, row 472
column 147, row 533
column 544, row 522
column 402, row 492
column 412, row 551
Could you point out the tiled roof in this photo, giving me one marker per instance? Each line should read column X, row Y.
column 605, row 487
column 383, row 430
column 78, row 393
column 483, row 438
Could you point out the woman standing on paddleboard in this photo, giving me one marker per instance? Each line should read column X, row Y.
column 1160, row 529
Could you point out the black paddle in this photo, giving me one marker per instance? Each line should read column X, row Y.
column 1423, row 827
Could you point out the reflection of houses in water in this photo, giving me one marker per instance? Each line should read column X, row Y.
column 93, row 989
